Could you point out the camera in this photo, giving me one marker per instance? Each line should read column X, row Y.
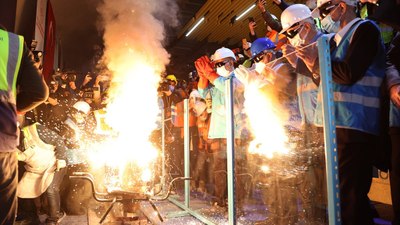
column 164, row 86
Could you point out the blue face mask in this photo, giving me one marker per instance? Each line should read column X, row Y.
column 329, row 25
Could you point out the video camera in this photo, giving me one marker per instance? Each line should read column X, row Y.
column 163, row 86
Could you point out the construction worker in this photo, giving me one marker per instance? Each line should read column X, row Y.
column 358, row 69
column 17, row 72
column 300, row 28
column 223, row 62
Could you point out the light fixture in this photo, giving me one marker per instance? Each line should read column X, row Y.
column 195, row 26
column 246, row 11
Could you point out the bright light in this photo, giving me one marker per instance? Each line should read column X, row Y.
column 195, row 26
column 266, row 121
column 245, row 12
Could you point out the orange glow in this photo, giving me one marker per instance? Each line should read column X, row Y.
column 266, row 121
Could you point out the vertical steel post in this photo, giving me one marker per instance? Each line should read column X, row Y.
column 186, row 150
column 230, row 138
column 163, row 172
column 331, row 154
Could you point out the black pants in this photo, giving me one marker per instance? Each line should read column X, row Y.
column 8, row 187
column 355, row 175
column 395, row 173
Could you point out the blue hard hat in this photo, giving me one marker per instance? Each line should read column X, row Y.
column 261, row 44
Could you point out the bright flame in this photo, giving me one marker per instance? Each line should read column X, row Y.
column 135, row 57
column 265, row 121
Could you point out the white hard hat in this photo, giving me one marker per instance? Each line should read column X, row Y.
column 223, row 53
column 315, row 12
column 293, row 14
column 82, row 106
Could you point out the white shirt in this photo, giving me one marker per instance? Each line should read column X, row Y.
column 339, row 35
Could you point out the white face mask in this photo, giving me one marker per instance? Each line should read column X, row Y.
column 260, row 66
column 223, row 72
column 171, row 88
column 329, row 25
column 296, row 40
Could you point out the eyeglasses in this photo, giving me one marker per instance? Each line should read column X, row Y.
column 219, row 64
column 293, row 30
column 261, row 55
column 326, row 8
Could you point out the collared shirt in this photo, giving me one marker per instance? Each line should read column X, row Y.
column 339, row 35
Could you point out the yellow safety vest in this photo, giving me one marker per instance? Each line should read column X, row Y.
column 11, row 47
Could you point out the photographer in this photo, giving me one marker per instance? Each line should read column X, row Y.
column 92, row 93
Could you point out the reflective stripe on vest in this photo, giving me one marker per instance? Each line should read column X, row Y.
column 11, row 46
column 357, row 106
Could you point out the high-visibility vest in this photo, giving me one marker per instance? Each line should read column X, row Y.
column 386, row 30
column 357, row 106
column 11, row 48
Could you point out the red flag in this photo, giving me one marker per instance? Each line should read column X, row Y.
column 50, row 43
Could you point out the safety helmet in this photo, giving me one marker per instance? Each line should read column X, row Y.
column 294, row 14
column 171, row 77
column 222, row 53
column 261, row 44
column 323, row 3
column 82, row 107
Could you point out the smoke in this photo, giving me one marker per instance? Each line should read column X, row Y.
column 137, row 27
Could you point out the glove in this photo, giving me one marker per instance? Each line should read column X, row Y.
column 205, row 69
column 249, row 77
column 203, row 83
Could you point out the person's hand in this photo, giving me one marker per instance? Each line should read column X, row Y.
column 309, row 55
column 249, row 77
column 72, row 85
column 87, row 79
column 252, row 27
column 204, row 66
column 288, row 51
column 278, row 2
column 260, row 5
column 395, row 95
column 52, row 101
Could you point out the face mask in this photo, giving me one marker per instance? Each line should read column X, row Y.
column 171, row 88
column 223, row 72
column 329, row 25
column 296, row 40
column 260, row 66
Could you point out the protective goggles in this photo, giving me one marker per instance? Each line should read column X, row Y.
column 293, row 30
column 219, row 64
column 261, row 55
column 326, row 8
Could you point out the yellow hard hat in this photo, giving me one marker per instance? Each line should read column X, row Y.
column 171, row 77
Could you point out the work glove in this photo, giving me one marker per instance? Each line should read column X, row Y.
column 205, row 69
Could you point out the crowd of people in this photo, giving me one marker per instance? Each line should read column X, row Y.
column 281, row 66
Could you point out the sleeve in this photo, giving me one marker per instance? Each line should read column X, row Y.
column 51, row 137
column 32, row 89
column 359, row 56
column 283, row 5
column 275, row 25
column 393, row 63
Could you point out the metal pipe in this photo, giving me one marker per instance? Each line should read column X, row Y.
column 163, row 172
column 187, row 150
column 108, row 210
column 331, row 155
column 230, row 138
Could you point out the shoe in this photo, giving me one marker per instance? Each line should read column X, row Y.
column 56, row 220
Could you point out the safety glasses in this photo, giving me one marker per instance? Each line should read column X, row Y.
column 261, row 55
column 293, row 30
column 219, row 64
column 326, row 9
